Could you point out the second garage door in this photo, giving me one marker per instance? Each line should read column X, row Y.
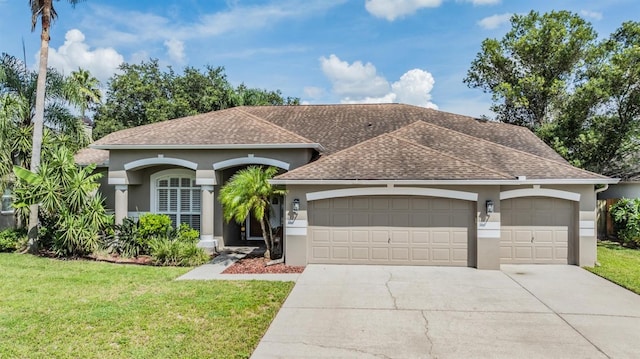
column 390, row 230
column 535, row 230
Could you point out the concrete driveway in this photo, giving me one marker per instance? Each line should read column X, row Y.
column 523, row 311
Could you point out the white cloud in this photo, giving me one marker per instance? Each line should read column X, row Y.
column 175, row 50
column 591, row 14
column 355, row 79
column 75, row 53
column 495, row 21
column 393, row 9
column 414, row 87
column 360, row 83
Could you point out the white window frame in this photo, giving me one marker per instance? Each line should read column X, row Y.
column 180, row 173
column 7, row 194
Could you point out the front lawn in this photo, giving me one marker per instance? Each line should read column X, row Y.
column 619, row 264
column 79, row 309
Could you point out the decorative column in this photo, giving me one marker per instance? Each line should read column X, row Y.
column 206, row 217
column 122, row 202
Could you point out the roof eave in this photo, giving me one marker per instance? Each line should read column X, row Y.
column 315, row 146
column 563, row 181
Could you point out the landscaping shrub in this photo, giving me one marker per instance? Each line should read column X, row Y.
column 154, row 225
column 125, row 240
column 12, row 240
column 72, row 215
column 152, row 234
column 174, row 252
column 626, row 216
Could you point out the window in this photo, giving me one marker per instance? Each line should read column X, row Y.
column 178, row 196
column 7, row 201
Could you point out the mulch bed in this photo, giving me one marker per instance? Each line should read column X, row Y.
column 256, row 264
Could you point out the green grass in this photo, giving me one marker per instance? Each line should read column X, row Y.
column 78, row 309
column 619, row 264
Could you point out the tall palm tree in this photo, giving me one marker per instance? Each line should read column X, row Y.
column 249, row 192
column 43, row 10
column 84, row 90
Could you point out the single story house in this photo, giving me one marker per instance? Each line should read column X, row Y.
column 367, row 184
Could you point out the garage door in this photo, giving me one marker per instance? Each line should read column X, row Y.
column 535, row 230
column 389, row 230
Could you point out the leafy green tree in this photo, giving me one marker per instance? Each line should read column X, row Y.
column 71, row 211
column 144, row 93
column 43, row 10
column 599, row 126
column 249, row 192
column 530, row 69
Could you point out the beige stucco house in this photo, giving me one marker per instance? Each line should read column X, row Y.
column 367, row 184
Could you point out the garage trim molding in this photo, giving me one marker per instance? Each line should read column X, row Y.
column 540, row 192
column 392, row 191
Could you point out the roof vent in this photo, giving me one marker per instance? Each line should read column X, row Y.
column 369, row 124
column 521, row 178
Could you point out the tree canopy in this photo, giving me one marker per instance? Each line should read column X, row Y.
column 580, row 95
column 145, row 93
column 529, row 69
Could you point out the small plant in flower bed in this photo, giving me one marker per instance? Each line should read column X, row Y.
column 179, row 248
column 154, row 236
column 12, row 240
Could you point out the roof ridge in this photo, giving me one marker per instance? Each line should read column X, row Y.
column 445, row 154
column 239, row 108
column 501, row 145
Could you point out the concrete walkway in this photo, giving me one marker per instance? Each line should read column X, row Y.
column 214, row 269
column 525, row 311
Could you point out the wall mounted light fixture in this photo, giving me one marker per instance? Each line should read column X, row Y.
column 489, row 205
column 295, row 206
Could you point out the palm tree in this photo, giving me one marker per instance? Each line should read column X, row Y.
column 17, row 107
column 249, row 192
column 44, row 10
column 83, row 89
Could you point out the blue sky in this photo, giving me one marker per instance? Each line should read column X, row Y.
column 323, row 51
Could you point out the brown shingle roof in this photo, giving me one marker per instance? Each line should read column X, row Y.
column 337, row 127
column 424, row 151
column 382, row 141
column 87, row 156
column 391, row 157
column 228, row 127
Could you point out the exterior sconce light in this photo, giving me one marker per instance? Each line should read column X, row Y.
column 295, row 205
column 489, row 205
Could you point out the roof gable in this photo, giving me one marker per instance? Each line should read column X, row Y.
column 391, row 157
column 424, row 151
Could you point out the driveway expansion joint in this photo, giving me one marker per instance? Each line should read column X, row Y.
column 558, row 315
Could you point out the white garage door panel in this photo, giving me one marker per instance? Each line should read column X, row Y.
column 390, row 230
column 535, row 230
